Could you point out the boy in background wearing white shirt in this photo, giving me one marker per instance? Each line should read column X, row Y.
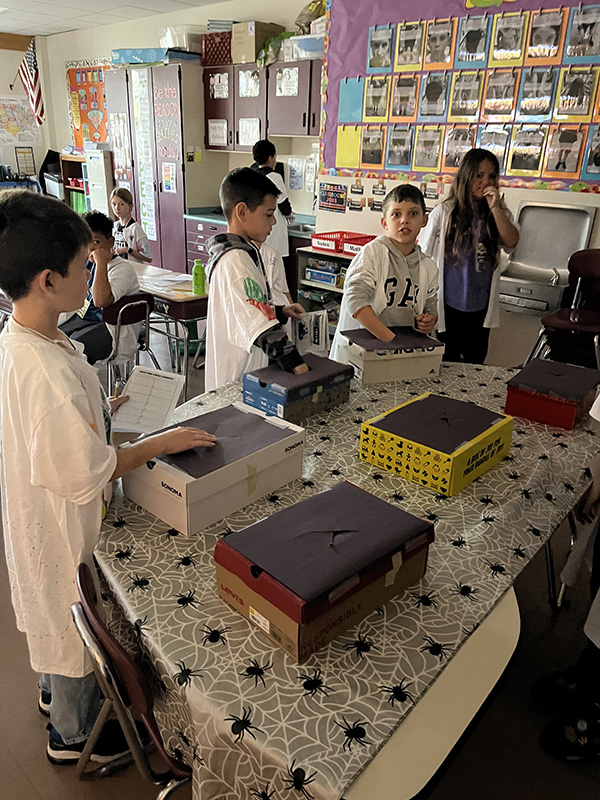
column 244, row 325
column 57, row 459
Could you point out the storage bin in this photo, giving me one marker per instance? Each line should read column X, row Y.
column 308, row 47
column 216, row 49
column 184, row 37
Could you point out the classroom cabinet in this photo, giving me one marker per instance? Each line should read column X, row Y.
column 157, row 126
column 294, row 98
column 235, row 103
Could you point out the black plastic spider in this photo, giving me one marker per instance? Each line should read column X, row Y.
column 377, row 477
column 185, row 600
column 508, row 458
column 397, row 497
column 384, row 391
column 521, row 432
column 335, row 473
column 183, row 737
column 460, row 542
column 464, row 590
column 172, row 533
column 519, row 552
column 549, row 497
column 139, row 625
column 536, row 531
column 185, row 674
column 187, row 561
column 299, row 780
column 357, row 421
column 317, row 453
column 543, row 457
column 590, row 432
column 273, row 498
column 362, row 645
column 440, row 498
column 431, row 516
column 214, row 635
column 256, row 671
column 568, row 487
column 360, row 409
column 424, row 599
column 353, row 733
column 587, row 472
column 264, row 794
column 526, row 493
column 124, row 555
column 486, row 500
column 313, row 683
column 242, row 725
column 119, row 522
column 496, row 568
column 307, row 484
column 513, row 476
column 399, row 692
column 138, row 583
column 563, row 445
column 434, row 648
column 488, row 519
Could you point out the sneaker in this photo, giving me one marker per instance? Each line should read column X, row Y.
column 44, row 703
column 111, row 745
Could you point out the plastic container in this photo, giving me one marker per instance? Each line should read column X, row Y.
column 308, row 47
column 335, row 241
column 198, row 278
column 355, row 244
column 184, row 37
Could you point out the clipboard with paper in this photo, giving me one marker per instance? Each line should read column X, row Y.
column 153, row 395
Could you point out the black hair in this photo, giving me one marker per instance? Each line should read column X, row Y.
column 245, row 185
column 99, row 223
column 401, row 193
column 262, row 151
column 36, row 233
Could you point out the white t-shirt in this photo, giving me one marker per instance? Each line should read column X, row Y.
column 54, row 467
column 237, row 313
column 123, row 280
column 275, row 274
column 278, row 238
column 132, row 235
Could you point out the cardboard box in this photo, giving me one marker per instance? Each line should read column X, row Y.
column 355, row 553
column 311, row 333
column 254, row 456
column 248, row 38
column 552, row 393
column 296, row 397
column 409, row 355
column 320, row 276
column 436, row 441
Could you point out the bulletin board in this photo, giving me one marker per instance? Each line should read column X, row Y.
column 87, row 101
column 407, row 94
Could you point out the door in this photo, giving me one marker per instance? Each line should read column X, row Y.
column 289, row 96
column 168, row 135
column 119, row 122
column 250, row 105
column 144, row 156
column 218, row 108
column 314, row 122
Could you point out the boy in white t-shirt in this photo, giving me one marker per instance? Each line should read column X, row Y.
column 244, row 325
column 57, row 458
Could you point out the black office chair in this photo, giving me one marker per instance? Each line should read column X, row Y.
column 127, row 693
column 571, row 334
column 128, row 310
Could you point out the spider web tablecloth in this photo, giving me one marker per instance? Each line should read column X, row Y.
column 484, row 537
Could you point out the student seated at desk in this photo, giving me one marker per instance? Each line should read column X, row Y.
column 244, row 326
column 111, row 279
column 391, row 282
column 57, row 459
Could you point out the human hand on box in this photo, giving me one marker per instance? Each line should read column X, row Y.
column 294, row 310
column 426, row 322
column 179, row 439
column 301, row 369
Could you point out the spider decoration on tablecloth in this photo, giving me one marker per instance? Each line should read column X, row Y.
column 139, row 625
column 513, row 476
column 299, row 780
column 424, row 599
column 313, row 684
column 256, row 671
column 568, row 487
column 242, row 725
column 587, row 473
column 496, row 568
column 187, row 561
column 185, row 674
column 172, row 533
column 440, row 498
column 335, row 473
column 124, row 554
column 399, row 692
column 185, row 600
column 307, row 484
column 433, row 648
column 214, row 635
column 353, row 733
column 397, row 497
column 526, row 494
column 317, row 453
column 431, row 516
column 183, row 736
column 377, row 477
column 459, row 542
column 138, row 583
column 544, row 457
column 486, row 500
column 119, row 522
column 549, row 497
column 263, row 794
column 274, row 498
column 488, row 519
column 361, row 645
column 535, row 531
column 325, row 438
column 464, row 590
column 519, row 552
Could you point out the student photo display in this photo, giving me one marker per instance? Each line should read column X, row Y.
column 433, row 104
column 377, row 90
column 410, row 39
column 591, row 160
column 564, row 151
column 508, row 36
column 465, row 96
column 380, row 48
column 575, row 96
column 546, row 37
column 459, row 140
column 372, row 147
column 495, row 138
column 499, row 95
column 527, row 147
column 439, row 44
column 405, row 95
column 472, row 38
column 428, row 148
column 583, row 35
column 536, row 94
column 399, row 152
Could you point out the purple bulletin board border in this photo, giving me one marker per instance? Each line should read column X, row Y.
column 345, row 57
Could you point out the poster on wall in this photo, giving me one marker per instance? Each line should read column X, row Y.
column 372, row 148
column 508, row 37
column 499, row 95
column 410, row 39
column 546, row 37
column 583, row 39
column 140, row 90
column 405, row 95
column 439, row 44
column 380, row 48
column 428, row 148
column 399, row 150
column 459, row 140
column 575, row 95
column 473, row 38
column 564, row 151
column 465, row 96
column 121, row 147
column 536, row 94
column 332, row 197
column 526, row 150
column 17, row 123
column 496, row 139
column 377, row 92
column 591, row 160
column 87, row 107
column 433, row 103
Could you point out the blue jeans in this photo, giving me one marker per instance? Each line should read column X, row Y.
column 75, row 705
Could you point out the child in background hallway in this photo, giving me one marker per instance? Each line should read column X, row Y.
column 57, row 458
column 130, row 239
column 463, row 237
column 391, row 282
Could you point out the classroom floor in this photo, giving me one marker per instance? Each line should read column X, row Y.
column 498, row 754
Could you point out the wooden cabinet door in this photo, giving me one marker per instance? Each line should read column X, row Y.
column 314, row 122
column 168, row 135
column 288, row 98
column 250, row 105
column 119, row 120
column 219, row 108
column 146, row 209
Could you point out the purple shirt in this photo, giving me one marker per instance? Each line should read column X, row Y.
column 468, row 275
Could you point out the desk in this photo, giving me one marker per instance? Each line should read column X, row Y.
column 174, row 302
column 500, row 520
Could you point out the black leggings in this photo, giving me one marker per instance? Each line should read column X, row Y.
column 465, row 337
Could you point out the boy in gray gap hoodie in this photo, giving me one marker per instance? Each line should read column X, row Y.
column 391, row 282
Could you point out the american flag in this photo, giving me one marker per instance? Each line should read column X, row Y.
column 30, row 77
